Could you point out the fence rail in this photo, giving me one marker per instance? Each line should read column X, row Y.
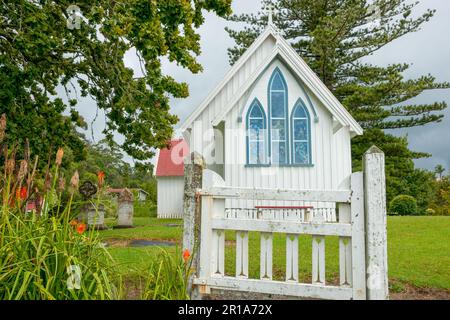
column 289, row 227
column 283, row 214
column 277, row 194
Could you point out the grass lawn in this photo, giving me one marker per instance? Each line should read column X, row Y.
column 418, row 248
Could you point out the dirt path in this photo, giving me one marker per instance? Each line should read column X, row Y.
column 409, row 292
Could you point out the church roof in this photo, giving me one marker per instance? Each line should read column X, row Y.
column 283, row 51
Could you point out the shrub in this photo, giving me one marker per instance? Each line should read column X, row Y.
column 144, row 209
column 403, row 205
column 430, row 212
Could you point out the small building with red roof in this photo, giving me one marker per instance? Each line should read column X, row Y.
column 169, row 173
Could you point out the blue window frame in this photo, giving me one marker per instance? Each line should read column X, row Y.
column 301, row 134
column 256, row 134
column 278, row 114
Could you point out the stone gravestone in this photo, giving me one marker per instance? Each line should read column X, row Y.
column 94, row 216
column 125, row 209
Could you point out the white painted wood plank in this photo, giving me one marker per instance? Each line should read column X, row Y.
column 266, row 256
column 345, row 261
column 206, row 238
column 292, row 257
column 358, row 238
column 218, row 253
column 345, row 248
column 318, row 260
column 280, row 195
column 242, row 254
column 325, row 229
column 279, row 288
column 376, row 223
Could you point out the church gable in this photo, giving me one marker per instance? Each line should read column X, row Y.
column 268, row 47
column 279, row 117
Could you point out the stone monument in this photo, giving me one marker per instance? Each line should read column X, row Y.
column 125, row 209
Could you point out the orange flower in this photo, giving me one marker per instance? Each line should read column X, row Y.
column 81, row 228
column 186, row 255
column 23, row 193
column 101, row 178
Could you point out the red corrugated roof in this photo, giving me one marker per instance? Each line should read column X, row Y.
column 171, row 160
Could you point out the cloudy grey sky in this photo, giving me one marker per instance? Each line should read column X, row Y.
column 428, row 50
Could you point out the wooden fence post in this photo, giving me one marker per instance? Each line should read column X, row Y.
column 193, row 176
column 376, row 224
column 357, row 243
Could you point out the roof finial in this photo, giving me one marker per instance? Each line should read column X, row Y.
column 270, row 11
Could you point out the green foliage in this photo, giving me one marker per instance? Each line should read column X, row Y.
column 106, row 158
column 35, row 254
column 441, row 201
column 44, row 251
column 118, row 173
column 403, row 205
column 167, row 278
column 420, row 184
column 334, row 38
column 40, row 54
column 439, row 171
column 144, row 209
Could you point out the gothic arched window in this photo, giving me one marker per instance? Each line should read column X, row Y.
column 256, row 134
column 278, row 111
column 301, row 134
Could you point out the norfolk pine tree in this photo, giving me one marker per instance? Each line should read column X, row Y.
column 334, row 37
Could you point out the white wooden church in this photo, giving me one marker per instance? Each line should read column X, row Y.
column 271, row 123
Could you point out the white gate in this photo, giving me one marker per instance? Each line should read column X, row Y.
column 350, row 227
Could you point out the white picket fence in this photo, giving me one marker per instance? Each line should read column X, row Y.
column 350, row 229
column 359, row 226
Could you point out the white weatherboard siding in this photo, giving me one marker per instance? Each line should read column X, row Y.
column 170, row 197
column 331, row 154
